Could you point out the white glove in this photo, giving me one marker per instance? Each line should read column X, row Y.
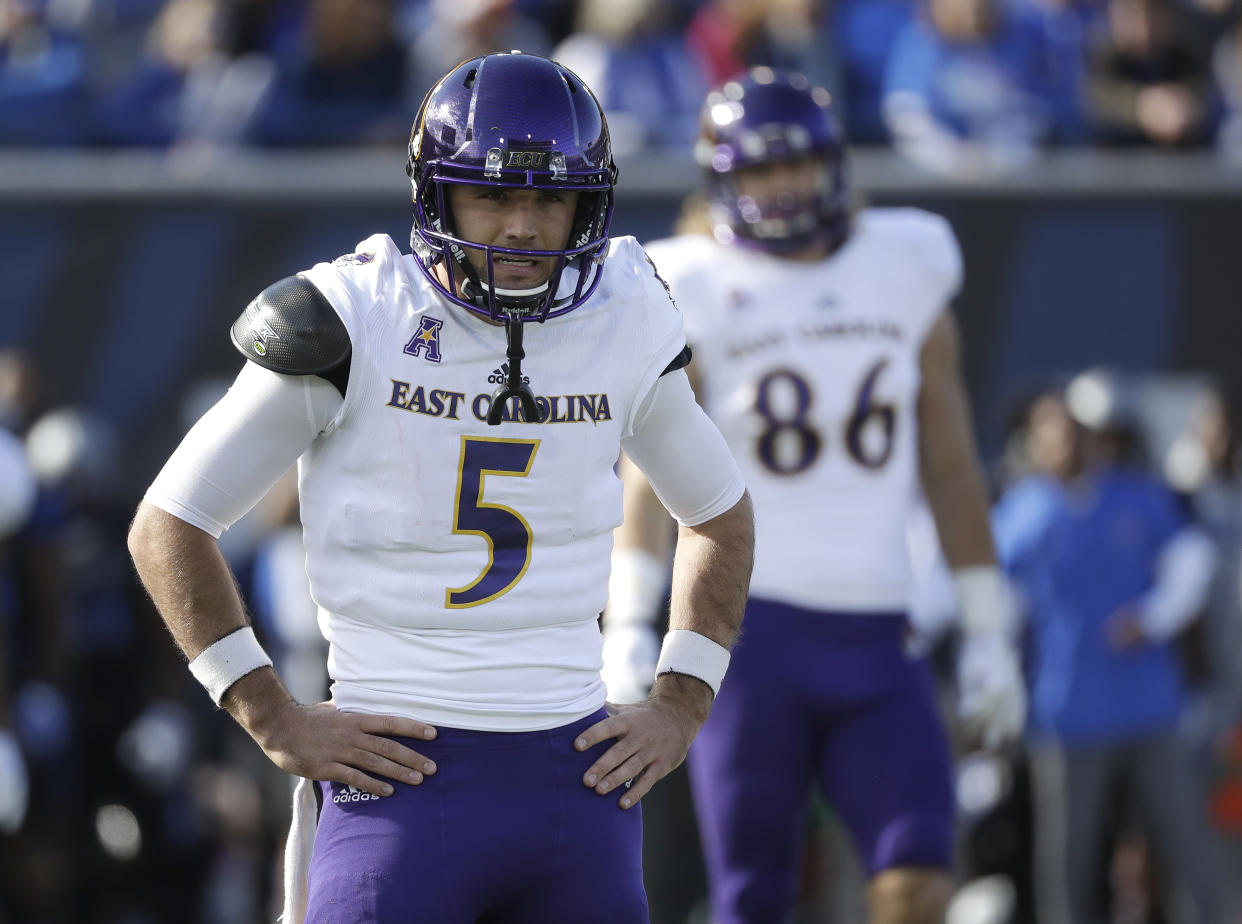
column 991, row 689
column 631, row 651
column 14, row 784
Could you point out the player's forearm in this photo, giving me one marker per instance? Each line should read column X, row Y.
column 711, row 574
column 958, row 503
column 193, row 589
column 711, row 578
column 948, row 462
column 188, row 579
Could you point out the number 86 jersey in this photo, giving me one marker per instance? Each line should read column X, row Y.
column 811, row 371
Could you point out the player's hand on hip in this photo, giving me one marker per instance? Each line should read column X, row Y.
column 991, row 690
column 652, row 738
column 631, row 651
column 322, row 743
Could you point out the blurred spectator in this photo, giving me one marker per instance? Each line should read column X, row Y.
column 109, row 833
column 187, row 88
column 630, row 54
column 556, row 17
column 1149, row 77
column 345, row 82
column 863, row 32
column 966, row 91
column 461, row 29
column 1203, row 462
column 19, row 390
column 1111, row 571
column 1068, row 27
column 43, row 89
column 17, row 500
column 730, row 36
column 1227, row 69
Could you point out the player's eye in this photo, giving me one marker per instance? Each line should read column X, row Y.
column 551, row 197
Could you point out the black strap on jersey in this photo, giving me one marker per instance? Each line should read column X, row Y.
column 512, row 386
column 680, row 361
column 292, row 329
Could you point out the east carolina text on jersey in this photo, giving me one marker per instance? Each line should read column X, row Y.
column 460, row 568
column 438, row 402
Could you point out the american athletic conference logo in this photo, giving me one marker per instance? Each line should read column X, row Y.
column 352, row 794
column 427, row 337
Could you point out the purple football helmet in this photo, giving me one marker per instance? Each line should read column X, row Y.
column 761, row 117
column 522, row 122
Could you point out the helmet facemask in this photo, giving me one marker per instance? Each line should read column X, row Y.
column 785, row 222
column 435, row 240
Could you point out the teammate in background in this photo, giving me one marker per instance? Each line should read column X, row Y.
column 826, row 353
column 457, row 550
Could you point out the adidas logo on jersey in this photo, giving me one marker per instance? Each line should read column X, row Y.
column 501, row 375
column 352, row 794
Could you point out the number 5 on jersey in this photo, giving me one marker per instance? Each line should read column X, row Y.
column 507, row 533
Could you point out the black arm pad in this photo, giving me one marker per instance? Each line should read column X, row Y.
column 291, row 328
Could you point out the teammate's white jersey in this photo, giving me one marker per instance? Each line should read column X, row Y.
column 811, row 371
column 459, row 568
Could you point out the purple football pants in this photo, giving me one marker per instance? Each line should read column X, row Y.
column 504, row 831
column 818, row 698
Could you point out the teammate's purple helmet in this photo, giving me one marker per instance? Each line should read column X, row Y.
column 760, row 117
column 523, row 122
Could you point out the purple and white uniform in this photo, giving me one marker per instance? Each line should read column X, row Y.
column 459, row 570
column 811, row 371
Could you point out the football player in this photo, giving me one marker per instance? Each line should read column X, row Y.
column 458, row 499
column 826, row 352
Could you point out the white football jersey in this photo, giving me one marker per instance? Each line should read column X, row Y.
column 811, row 371
column 459, row 568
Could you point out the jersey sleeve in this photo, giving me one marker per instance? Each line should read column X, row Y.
column 661, row 337
column 684, row 455
column 241, row 446
column 921, row 253
column 937, row 261
column 678, row 261
column 356, row 285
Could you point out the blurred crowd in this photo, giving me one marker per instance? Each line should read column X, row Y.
column 961, row 86
column 126, row 798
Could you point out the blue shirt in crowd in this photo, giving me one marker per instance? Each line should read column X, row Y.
column 1077, row 555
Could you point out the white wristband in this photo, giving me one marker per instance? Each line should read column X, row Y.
column 636, row 587
column 984, row 601
column 687, row 652
column 221, row 664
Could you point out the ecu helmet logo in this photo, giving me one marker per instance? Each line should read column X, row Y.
column 526, row 159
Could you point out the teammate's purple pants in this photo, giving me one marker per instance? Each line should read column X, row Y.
column 504, row 831
column 825, row 698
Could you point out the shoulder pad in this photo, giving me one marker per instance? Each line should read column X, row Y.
column 291, row 328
